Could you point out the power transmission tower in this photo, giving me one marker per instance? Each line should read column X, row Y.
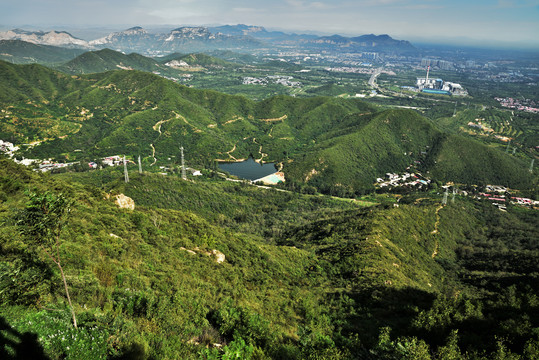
column 454, row 192
column 507, row 148
column 455, row 111
column 126, row 175
column 184, row 177
column 139, row 166
column 514, row 151
column 446, row 193
column 531, row 166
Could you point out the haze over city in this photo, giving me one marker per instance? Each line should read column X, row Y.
column 489, row 23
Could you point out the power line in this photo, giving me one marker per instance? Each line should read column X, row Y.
column 446, row 193
column 126, row 175
column 184, row 177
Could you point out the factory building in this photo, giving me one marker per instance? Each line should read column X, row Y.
column 438, row 86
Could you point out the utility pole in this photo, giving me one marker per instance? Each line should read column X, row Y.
column 126, row 175
column 183, row 165
column 139, row 166
column 455, row 111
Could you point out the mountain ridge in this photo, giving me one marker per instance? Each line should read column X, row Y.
column 22, row 52
column 53, row 37
column 116, row 111
column 199, row 38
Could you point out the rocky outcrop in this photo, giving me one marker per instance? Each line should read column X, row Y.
column 125, row 202
column 216, row 254
column 54, row 38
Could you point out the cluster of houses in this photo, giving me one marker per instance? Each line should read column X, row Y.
column 272, row 79
column 8, row 148
column 499, row 197
column 47, row 165
column 392, row 180
column 112, row 160
column 517, row 104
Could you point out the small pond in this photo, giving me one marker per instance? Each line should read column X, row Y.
column 248, row 169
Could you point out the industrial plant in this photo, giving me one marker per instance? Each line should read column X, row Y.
column 438, row 86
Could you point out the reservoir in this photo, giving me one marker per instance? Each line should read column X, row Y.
column 248, row 169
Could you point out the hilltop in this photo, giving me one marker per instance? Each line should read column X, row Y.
column 23, row 52
column 196, row 59
column 105, row 60
column 53, row 38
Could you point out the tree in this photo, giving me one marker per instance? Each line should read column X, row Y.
column 41, row 222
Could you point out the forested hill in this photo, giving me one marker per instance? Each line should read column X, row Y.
column 22, row 52
column 334, row 144
column 106, row 59
column 302, row 276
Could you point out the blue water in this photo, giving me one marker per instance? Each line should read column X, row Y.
column 248, row 169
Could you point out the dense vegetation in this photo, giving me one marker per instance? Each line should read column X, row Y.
column 105, row 60
column 206, row 268
column 305, row 277
column 22, row 52
column 337, row 145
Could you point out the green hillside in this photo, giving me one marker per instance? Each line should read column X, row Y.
column 281, row 65
column 467, row 161
column 22, row 52
column 335, row 90
column 203, row 60
column 234, row 57
column 167, row 58
column 365, row 147
column 105, row 60
column 340, row 146
column 304, row 277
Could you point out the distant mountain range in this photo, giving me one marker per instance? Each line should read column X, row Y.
column 54, row 38
column 371, row 41
column 198, row 38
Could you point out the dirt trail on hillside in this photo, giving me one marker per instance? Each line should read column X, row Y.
column 282, row 118
column 262, row 155
column 229, row 153
column 157, row 126
column 435, row 231
column 153, row 155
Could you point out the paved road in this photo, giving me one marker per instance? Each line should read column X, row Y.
column 372, row 80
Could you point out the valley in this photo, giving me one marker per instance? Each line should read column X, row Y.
column 399, row 224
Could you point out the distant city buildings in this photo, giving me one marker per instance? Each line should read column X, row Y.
column 522, row 105
column 441, row 64
column 272, row 79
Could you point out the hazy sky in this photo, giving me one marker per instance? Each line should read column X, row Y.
column 487, row 21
